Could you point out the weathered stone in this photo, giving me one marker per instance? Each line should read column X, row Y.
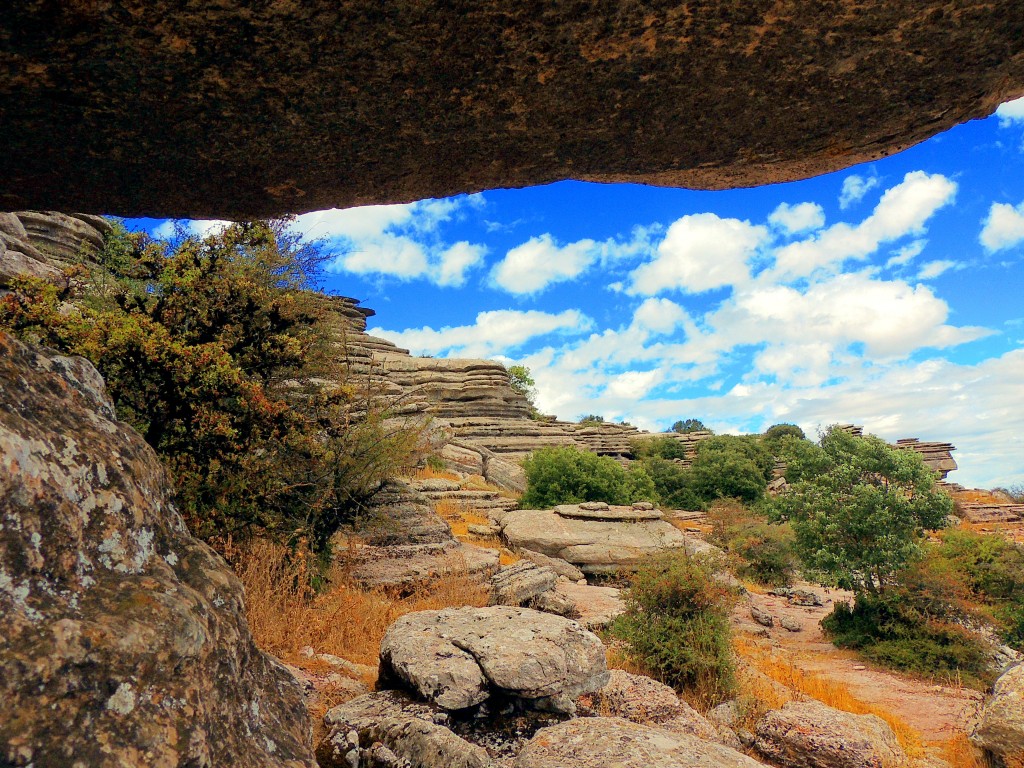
column 557, row 603
column 790, row 624
column 119, row 628
column 634, row 697
column 400, row 515
column 405, row 727
column 1001, row 728
column 596, row 606
column 762, row 617
column 400, row 566
column 599, row 742
column 557, row 564
column 594, row 546
column 474, row 529
column 458, row 658
column 808, row 734
column 520, row 583
column 349, row 96
column 605, row 512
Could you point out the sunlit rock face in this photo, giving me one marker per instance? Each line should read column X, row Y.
column 123, row 640
column 237, row 108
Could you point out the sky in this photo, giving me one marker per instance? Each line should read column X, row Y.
column 886, row 295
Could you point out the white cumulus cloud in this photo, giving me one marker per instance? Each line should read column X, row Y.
column 700, row 252
column 798, row 218
column 1011, row 112
column 540, row 262
column 854, row 189
column 1004, row 227
column 933, row 269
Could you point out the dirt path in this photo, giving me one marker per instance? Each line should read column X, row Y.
column 938, row 712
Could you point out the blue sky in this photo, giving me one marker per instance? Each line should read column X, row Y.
column 888, row 294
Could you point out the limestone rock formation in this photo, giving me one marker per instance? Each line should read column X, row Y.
column 151, row 108
column 617, row 541
column 406, row 728
column 1001, row 728
column 808, row 734
column 41, row 243
column 459, row 658
column 124, row 639
column 521, row 583
column 598, row 742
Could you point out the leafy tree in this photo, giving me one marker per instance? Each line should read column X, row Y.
column 567, row 475
column 592, row 418
column 776, row 431
column 860, row 519
column 201, row 343
column 731, row 466
column 657, row 447
column 688, row 425
column 521, row 379
column 672, row 484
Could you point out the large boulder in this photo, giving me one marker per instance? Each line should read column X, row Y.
column 520, row 583
column 237, row 109
column 600, row 742
column 459, row 658
column 404, row 727
column 124, row 639
column 1001, row 728
column 596, row 541
column 808, row 734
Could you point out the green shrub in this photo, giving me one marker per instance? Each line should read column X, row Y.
column 777, row 431
column 567, row 475
column 892, row 630
column 672, row 485
column 731, row 467
column 764, row 550
column 683, row 426
column 659, row 447
column 676, row 624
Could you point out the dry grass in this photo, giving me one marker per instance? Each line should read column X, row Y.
column 825, row 690
column 459, row 517
column 427, row 473
column 285, row 615
column 960, row 753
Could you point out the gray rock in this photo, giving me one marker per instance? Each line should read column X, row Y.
column 602, row 511
column 602, row 742
column 597, row 606
column 808, row 734
column 790, row 624
column 1001, row 728
column 475, row 529
column 407, row 566
column 557, row 603
column 406, row 729
column 594, row 546
column 118, row 628
column 762, row 617
column 557, row 564
column 520, row 583
column 458, row 658
column 805, row 597
column 636, row 698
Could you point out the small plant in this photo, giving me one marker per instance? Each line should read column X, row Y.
column 567, row 475
column 764, row 550
column 676, row 625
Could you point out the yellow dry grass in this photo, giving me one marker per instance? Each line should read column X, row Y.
column 828, row 691
column 459, row 517
column 426, row 473
column 960, row 753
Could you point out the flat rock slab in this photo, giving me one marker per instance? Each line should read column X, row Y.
column 808, row 734
column 597, row 606
column 402, row 566
column 600, row 742
column 459, row 658
column 594, row 546
column 623, row 514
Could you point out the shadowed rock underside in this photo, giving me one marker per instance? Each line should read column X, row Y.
column 245, row 108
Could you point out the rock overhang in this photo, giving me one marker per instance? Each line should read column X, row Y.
column 242, row 109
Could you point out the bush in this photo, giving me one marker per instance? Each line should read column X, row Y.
column 567, row 475
column 731, row 467
column 777, row 431
column 892, row 630
column 765, row 550
column 684, row 426
column 676, row 625
column 672, row 484
column 657, row 447
column 200, row 343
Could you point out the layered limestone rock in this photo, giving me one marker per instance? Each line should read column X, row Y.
column 148, row 108
column 124, row 639
column 936, row 456
column 42, row 243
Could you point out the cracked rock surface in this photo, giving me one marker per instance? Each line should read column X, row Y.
column 458, row 658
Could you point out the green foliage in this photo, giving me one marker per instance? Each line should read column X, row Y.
column 861, row 517
column 676, row 624
column 198, row 343
column 893, row 630
column 672, row 484
column 592, row 418
column 657, row 447
column 764, row 550
column 803, row 458
column 688, row 425
column 776, row 431
column 731, row 467
column 521, row 380
column 567, row 475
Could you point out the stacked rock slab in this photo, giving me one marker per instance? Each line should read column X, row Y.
column 42, row 243
column 123, row 640
column 595, row 537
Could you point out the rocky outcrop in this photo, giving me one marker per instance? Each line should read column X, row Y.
column 621, row 538
column 42, row 243
column 362, row 105
column 598, row 742
column 360, row 731
column 460, row 658
column 124, row 639
column 936, row 456
column 808, row 734
column 1001, row 728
